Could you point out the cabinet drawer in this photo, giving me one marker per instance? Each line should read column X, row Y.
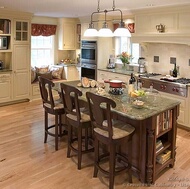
column 5, row 77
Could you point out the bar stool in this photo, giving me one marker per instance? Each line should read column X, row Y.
column 113, row 134
column 52, row 107
column 78, row 121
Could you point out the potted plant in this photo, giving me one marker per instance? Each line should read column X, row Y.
column 125, row 58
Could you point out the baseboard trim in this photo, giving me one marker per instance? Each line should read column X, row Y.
column 14, row 102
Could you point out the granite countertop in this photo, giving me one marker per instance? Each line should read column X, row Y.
column 117, row 70
column 69, row 64
column 125, row 107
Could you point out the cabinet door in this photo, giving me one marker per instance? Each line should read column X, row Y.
column 5, row 86
column 72, row 73
column 21, row 76
column 21, row 31
column 67, row 36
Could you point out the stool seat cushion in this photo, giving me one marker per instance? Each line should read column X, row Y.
column 120, row 129
column 84, row 117
column 57, row 105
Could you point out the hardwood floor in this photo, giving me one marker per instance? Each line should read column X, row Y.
column 27, row 163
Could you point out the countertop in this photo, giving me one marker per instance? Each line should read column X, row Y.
column 126, row 72
column 5, row 71
column 69, row 64
column 125, row 107
column 117, row 70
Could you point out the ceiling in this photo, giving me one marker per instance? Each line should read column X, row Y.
column 79, row 8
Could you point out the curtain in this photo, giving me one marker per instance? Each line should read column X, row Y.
column 129, row 26
column 43, row 29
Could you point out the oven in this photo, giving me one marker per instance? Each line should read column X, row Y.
column 89, row 71
column 89, row 59
column 88, row 52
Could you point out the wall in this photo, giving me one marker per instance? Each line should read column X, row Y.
column 165, row 51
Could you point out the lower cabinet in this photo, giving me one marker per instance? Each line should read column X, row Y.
column 107, row 75
column 5, row 88
column 184, row 108
column 72, row 73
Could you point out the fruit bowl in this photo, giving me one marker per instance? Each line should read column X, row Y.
column 138, row 104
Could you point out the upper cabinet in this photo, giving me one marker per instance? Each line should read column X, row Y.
column 21, row 32
column 67, row 34
column 5, row 34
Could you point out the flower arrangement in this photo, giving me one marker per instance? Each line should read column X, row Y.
column 124, row 57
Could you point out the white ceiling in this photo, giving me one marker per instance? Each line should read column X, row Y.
column 78, row 8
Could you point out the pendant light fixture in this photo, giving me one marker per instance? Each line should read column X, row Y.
column 105, row 31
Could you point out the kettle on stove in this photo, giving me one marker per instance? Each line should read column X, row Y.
column 142, row 66
column 1, row 64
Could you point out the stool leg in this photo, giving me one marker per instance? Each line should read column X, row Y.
column 129, row 160
column 60, row 124
column 112, row 166
column 69, row 141
column 96, row 156
column 56, row 132
column 86, row 138
column 79, row 147
column 46, row 126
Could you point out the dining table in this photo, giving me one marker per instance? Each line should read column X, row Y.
column 145, row 121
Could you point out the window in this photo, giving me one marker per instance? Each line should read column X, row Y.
column 42, row 50
column 123, row 44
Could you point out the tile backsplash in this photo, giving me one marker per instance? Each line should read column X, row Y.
column 165, row 51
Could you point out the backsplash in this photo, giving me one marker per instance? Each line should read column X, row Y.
column 165, row 51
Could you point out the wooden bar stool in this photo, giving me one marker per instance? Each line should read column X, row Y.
column 112, row 133
column 52, row 107
column 78, row 121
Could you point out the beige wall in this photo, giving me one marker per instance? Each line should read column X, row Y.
column 165, row 51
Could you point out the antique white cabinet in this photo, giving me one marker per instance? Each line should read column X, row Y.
column 5, row 87
column 107, row 75
column 67, row 34
column 183, row 118
column 71, row 73
column 21, row 73
column 21, row 31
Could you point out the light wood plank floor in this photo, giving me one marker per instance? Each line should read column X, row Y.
column 27, row 163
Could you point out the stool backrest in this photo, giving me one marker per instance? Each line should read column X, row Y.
column 70, row 100
column 46, row 91
column 100, row 112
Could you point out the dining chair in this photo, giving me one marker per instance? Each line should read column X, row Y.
column 53, row 107
column 111, row 133
column 79, row 124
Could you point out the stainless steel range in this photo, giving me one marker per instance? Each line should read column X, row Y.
column 176, row 86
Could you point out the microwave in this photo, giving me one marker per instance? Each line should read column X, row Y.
column 3, row 42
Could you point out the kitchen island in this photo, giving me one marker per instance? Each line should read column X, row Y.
column 155, row 121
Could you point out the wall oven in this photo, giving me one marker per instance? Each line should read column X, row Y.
column 89, row 59
column 88, row 52
column 89, row 71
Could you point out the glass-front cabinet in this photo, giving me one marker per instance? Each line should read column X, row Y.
column 21, row 31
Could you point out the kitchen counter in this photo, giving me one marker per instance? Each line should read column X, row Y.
column 146, row 125
column 118, row 70
column 69, row 64
column 5, row 71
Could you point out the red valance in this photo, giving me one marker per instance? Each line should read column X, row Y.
column 43, row 29
column 129, row 26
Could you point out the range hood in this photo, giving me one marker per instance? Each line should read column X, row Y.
column 162, row 38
